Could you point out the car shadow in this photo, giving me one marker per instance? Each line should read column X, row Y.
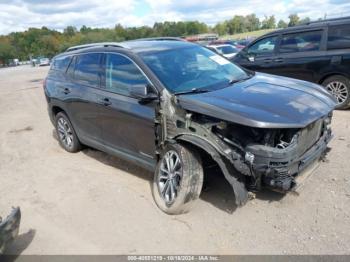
column 113, row 161
column 19, row 244
column 216, row 189
column 118, row 163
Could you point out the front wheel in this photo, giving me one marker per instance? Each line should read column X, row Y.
column 339, row 87
column 178, row 179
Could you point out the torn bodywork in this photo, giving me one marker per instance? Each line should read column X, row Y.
column 249, row 157
column 9, row 228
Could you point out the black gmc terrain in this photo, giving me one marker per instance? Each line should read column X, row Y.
column 167, row 104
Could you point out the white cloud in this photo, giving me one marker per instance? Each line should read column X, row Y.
column 213, row 11
column 18, row 15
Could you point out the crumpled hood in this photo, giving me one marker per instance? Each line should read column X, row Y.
column 264, row 101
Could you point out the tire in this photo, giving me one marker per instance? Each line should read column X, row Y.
column 66, row 135
column 339, row 87
column 186, row 180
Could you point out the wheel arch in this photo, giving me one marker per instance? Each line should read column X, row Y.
column 227, row 168
column 56, row 109
column 323, row 78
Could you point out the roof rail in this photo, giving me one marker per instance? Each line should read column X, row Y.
column 326, row 20
column 77, row 47
column 164, row 38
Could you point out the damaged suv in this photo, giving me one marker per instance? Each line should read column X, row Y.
column 169, row 106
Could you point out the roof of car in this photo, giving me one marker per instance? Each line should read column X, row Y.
column 312, row 25
column 137, row 46
column 145, row 45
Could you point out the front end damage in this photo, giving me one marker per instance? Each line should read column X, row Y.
column 250, row 158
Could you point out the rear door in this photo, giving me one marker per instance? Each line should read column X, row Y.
column 128, row 125
column 302, row 55
column 260, row 56
column 85, row 96
column 338, row 49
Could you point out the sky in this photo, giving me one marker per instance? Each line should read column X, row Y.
column 19, row 15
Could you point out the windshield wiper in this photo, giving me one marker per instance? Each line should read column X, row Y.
column 234, row 80
column 192, row 91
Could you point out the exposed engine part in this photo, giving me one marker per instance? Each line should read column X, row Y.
column 284, row 144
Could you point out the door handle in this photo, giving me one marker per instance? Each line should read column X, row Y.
column 267, row 60
column 278, row 60
column 66, row 91
column 105, row 101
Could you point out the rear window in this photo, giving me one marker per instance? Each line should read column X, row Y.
column 339, row 37
column 87, row 68
column 61, row 63
column 301, row 42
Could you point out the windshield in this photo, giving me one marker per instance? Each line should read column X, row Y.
column 194, row 67
column 227, row 49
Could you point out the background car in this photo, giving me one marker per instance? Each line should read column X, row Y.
column 227, row 51
column 227, row 42
column 44, row 61
column 318, row 52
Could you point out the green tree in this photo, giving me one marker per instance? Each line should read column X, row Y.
column 305, row 20
column 252, row 22
column 236, row 24
column 282, row 24
column 269, row 22
column 221, row 28
column 70, row 30
column 7, row 52
column 293, row 20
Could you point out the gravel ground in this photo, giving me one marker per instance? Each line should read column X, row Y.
column 93, row 203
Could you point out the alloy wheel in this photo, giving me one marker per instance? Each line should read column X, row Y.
column 65, row 132
column 169, row 176
column 339, row 90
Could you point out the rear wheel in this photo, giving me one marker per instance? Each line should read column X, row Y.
column 339, row 87
column 178, row 179
column 66, row 134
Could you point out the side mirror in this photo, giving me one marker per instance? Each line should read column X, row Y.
column 143, row 92
column 250, row 56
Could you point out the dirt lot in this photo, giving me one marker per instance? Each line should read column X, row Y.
column 92, row 203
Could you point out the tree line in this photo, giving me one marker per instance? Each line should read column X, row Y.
column 46, row 42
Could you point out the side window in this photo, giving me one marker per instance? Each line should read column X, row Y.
column 70, row 70
column 87, row 68
column 301, row 42
column 264, row 46
column 121, row 73
column 339, row 37
column 61, row 63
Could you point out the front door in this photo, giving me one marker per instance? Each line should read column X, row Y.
column 260, row 56
column 128, row 125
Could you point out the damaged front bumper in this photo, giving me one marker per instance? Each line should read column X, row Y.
column 9, row 228
column 279, row 169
